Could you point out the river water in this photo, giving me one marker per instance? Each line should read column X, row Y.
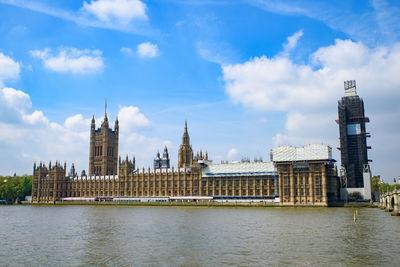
column 196, row 236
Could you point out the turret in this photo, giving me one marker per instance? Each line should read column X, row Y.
column 165, row 164
column 105, row 122
column 126, row 167
column 116, row 125
column 93, row 124
column 157, row 161
column 185, row 157
column 72, row 171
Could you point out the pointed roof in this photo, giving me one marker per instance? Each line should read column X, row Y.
column 185, row 137
column 105, row 108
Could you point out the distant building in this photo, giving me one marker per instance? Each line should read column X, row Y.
column 164, row 162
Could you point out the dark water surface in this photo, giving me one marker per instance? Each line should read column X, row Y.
column 180, row 236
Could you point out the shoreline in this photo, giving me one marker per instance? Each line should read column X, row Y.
column 202, row 204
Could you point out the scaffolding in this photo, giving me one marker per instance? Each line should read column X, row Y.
column 309, row 152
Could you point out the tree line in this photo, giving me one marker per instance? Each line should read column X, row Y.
column 382, row 187
column 15, row 188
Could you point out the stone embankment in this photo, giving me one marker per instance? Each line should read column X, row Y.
column 390, row 202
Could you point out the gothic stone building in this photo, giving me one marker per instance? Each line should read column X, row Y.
column 294, row 176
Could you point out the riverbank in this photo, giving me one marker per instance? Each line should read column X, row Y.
column 200, row 204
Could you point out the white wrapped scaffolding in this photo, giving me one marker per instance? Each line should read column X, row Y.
column 309, row 152
column 239, row 169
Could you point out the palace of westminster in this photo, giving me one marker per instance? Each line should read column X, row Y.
column 294, row 176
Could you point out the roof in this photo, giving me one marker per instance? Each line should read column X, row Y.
column 240, row 169
column 309, row 152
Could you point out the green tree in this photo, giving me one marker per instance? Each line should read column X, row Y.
column 15, row 187
column 375, row 184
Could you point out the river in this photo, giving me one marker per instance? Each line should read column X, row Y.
column 196, row 236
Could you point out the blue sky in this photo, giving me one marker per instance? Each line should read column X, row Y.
column 247, row 75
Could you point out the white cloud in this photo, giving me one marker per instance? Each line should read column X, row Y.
column 27, row 135
column 15, row 108
column 130, row 118
column 9, row 69
column 147, row 49
column 71, row 60
column 76, row 122
column 216, row 52
column 35, row 118
column 212, row 55
column 291, row 43
column 232, row 153
column 121, row 15
column 121, row 10
column 15, row 99
column 278, row 83
column 143, row 147
column 127, row 51
column 308, row 94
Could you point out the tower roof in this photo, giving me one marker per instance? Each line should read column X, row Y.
column 185, row 137
column 350, row 88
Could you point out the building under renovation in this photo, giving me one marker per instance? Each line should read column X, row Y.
column 355, row 171
column 294, row 176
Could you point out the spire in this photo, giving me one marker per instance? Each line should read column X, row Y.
column 105, row 108
column 105, row 122
column 185, row 138
column 116, row 124
column 185, row 156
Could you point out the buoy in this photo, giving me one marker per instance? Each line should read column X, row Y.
column 355, row 215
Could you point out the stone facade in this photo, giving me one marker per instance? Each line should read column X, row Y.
column 103, row 153
column 164, row 162
column 185, row 156
column 309, row 182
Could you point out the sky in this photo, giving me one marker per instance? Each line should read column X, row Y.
column 247, row 75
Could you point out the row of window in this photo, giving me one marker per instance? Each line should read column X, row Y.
column 189, row 183
column 249, row 182
column 301, row 180
column 98, row 151
column 300, row 192
column 97, row 170
column 316, row 167
column 178, row 192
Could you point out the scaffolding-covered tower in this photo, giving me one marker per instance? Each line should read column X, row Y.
column 353, row 137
